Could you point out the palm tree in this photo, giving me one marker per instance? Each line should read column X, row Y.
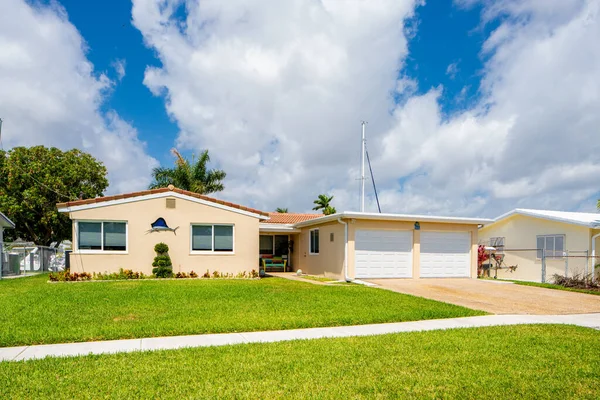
column 189, row 175
column 323, row 203
column 281, row 210
column 598, row 205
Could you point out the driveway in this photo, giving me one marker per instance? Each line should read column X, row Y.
column 495, row 296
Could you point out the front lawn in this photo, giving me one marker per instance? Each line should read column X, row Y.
column 519, row 362
column 557, row 287
column 33, row 311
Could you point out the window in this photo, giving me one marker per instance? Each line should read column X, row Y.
column 554, row 245
column 313, row 246
column 102, row 236
column 266, row 244
column 212, row 238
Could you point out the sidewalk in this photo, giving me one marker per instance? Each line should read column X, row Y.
column 222, row 339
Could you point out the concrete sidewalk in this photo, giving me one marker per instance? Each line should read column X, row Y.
column 222, row 339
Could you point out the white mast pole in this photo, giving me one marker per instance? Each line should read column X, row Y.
column 362, row 168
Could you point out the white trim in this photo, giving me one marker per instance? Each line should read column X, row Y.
column 310, row 241
column 288, row 228
column 393, row 217
column 158, row 196
column 77, row 250
column 8, row 221
column 212, row 252
column 540, row 214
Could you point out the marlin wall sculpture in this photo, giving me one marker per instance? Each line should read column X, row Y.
column 160, row 225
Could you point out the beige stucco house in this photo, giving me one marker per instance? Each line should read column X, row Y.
column 523, row 235
column 115, row 232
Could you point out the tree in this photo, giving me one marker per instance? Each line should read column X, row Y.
column 598, row 205
column 189, row 175
column 323, row 203
column 281, row 210
column 34, row 179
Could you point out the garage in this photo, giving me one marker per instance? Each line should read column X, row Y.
column 383, row 254
column 445, row 255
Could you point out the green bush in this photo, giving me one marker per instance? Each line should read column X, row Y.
column 163, row 267
column 123, row 274
column 161, row 248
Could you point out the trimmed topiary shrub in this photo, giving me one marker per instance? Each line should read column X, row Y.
column 163, row 268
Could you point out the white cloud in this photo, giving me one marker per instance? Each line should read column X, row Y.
column 119, row 66
column 50, row 94
column 276, row 90
column 452, row 69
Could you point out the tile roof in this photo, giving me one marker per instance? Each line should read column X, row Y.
column 289, row 218
column 156, row 191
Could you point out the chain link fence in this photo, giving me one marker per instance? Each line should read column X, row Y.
column 537, row 265
column 25, row 258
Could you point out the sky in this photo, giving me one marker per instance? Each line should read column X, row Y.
column 474, row 107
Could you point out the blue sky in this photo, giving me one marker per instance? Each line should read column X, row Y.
column 473, row 105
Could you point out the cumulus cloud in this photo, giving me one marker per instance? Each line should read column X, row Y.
column 50, row 94
column 277, row 90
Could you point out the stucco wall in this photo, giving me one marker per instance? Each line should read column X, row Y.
column 330, row 260
column 520, row 232
column 140, row 254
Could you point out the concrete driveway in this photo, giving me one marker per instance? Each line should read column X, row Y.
column 495, row 296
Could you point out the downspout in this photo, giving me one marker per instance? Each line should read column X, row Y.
column 594, row 255
column 346, row 277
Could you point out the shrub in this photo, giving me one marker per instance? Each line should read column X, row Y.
column 216, row 274
column 253, row 274
column 576, row 281
column 161, row 248
column 163, row 268
column 206, row 274
column 123, row 274
column 180, row 275
column 67, row 276
column 193, row 274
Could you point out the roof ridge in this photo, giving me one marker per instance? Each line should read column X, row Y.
column 171, row 188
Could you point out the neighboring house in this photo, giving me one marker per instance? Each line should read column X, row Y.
column 115, row 232
column 5, row 222
column 523, row 235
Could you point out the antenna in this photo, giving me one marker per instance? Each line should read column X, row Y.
column 362, row 168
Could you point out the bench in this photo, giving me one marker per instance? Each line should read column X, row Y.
column 274, row 263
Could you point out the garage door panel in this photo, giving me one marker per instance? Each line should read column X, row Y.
column 383, row 254
column 445, row 254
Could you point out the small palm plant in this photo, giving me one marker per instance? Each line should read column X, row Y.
column 323, row 203
column 281, row 210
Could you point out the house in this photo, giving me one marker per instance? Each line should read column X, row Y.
column 5, row 222
column 205, row 233
column 526, row 236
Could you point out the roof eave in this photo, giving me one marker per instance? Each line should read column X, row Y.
column 394, row 217
column 525, row 213
column 9, row 224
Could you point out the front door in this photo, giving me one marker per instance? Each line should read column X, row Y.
column 280, row 244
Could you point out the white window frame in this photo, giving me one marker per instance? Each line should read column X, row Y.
column 554, row 256
column 310, row 252
column 211, row 252
column 101, row 251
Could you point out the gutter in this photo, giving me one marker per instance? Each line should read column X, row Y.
column 346, row 277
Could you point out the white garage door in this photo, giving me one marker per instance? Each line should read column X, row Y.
column 383, row 254
column 445, row 254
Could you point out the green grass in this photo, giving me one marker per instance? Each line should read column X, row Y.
column 33, row 311
column 557, row 287
column 520, row 362
column 317, row 278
